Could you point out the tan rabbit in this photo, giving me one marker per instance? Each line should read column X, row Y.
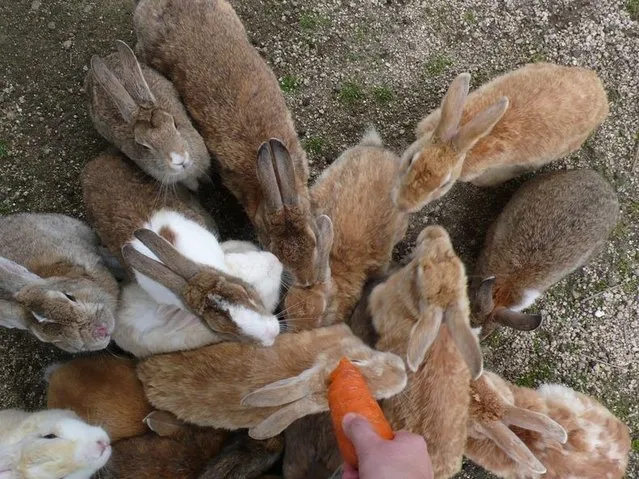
column 421, row 313
column 240, row 289
column 279, row 384
column 539, row 113
column 552, row 225
column 235, row 100
column 104, row 391
column 139, row 111
column 355, row 192
column 553, row 432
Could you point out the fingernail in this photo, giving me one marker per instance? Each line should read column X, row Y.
column 348, row 419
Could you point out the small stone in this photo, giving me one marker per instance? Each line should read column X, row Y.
column 51, row 25
column 35, row 5
column 66, row 45
column 599, row 314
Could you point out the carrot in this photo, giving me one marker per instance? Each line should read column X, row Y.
column 348, row 392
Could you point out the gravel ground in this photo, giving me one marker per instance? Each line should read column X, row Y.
column 344, row 65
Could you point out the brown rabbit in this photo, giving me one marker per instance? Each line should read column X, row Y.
column 280, row 384
column 539, row 113
column 553, row 432
column 407, row 311
column 234, row 98
column 104, row 391
column 355, row 192
column 552, row 225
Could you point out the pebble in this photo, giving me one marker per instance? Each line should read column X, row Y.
column 51, row 25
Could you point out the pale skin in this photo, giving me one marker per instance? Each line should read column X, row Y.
column 406, row 456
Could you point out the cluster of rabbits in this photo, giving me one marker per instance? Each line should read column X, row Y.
column 210, row 356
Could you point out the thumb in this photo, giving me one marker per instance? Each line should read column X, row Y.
column 360, row 432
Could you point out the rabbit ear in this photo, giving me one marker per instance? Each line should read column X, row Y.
column 534, row 421
column 164, row 424
column 422, row 336
column 285, row 171
column 168, row 254
column 134, row 78
column 268, row 179
column 281, row 392
column 480, row 126
column 284, row 417
column 324, row 245
column 153, row 269
column 484, row 296
column 12, row 315
column 14, row 277
column 517, row 320
column 118, row 94
column 452, row 108
column 514, row 447
column 465, row 340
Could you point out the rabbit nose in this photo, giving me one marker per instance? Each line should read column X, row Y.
column 178, row 160
column 102, row 445
column 101, row 332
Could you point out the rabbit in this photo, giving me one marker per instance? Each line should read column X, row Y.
column 556, row 432
column 421, row 313
column 54, row 283
column 279, row 384
column 139, row 111
column 516, row 123
column 103, row 390
column 50, row 444
column 235, row 100
column 355, row 192
column 568, row 217
column 119, row 201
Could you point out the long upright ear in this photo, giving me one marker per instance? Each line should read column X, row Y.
column 534, row 421
column 467, row 343
column 283, row 391
column 14, row 277
column 324, row 245
column 164, row 424
column 166, row 253
column 134, row 79
column 484, row 296
column 284, row 417
column 514, row 447
column 480, row 126
column 285, row 172
column 268, row 181
column 116, row 91
column 452, row 108
column 422, row 336
column 517, row 320
column 153, row 269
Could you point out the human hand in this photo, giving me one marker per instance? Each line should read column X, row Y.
column 406, row 456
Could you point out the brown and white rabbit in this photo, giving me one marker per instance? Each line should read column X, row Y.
column 278, row 384
column 50, row 444
column 517, row 122
column 241, row 288
column 139, row 111
column 103, row 390
column 552, row 225
column 421, row 312
column 235, row 100
column 552, row 432
column 54, row 283
column 355, row 192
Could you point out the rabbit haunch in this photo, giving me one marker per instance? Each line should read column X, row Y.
column 54, row 283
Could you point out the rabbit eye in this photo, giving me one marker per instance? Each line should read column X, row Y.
column 70, row 297
column 50, row 436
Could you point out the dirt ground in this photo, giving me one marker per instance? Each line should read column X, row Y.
column 344, row 65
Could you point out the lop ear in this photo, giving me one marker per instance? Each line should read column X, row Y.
column 283, row 391
column 14, row 277
column 452, row 108
column 422, row 336
column 480, row 126
column 164, row 424
column 534, row 421
column 284, row 417
column 114, row 89
column 517, row 320
column 467, row 343
column 514, row 447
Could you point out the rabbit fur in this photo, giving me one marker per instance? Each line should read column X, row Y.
column 355, row 192
column 555, row 432
column 104, row 391
column 552, row 225
column 235, row 100
column 281, row 383
column 516, row 123
column 54, row 283
column 139, row 111
column 50, row 444
column 120, row 200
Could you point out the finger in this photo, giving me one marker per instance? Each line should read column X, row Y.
column 360, row 432
column 349, row 472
